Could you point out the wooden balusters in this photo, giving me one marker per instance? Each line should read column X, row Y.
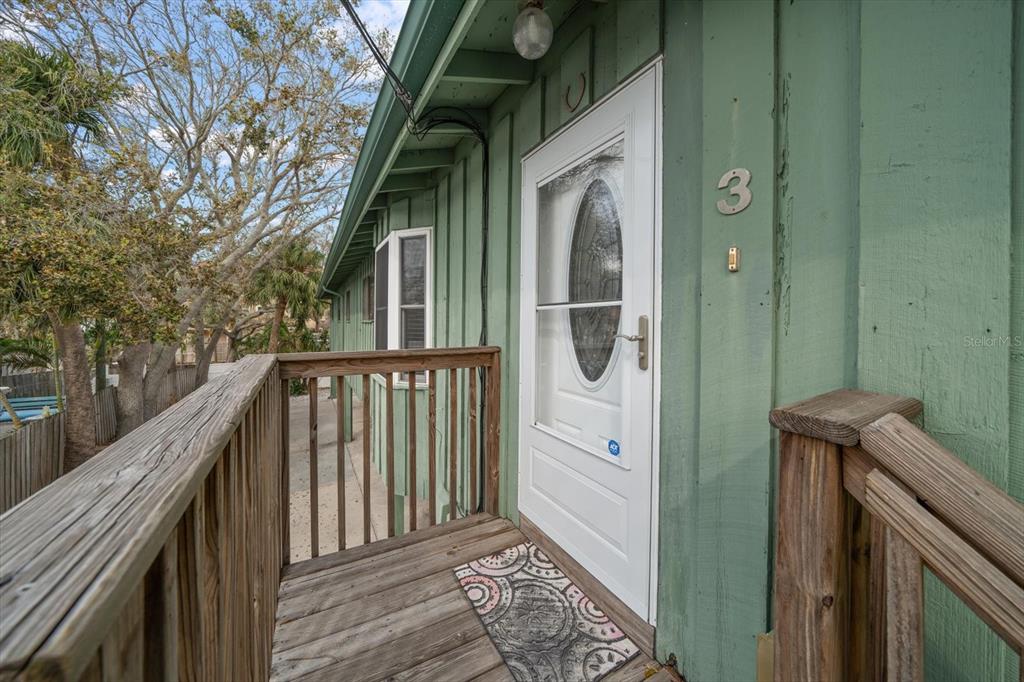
column 453, row 444
column 432, row 443
column 341, row 462
column 389, row 402
column 469, row 438
column 314, row 484
column 366, row 459
column 472, row 440
column 412, row 451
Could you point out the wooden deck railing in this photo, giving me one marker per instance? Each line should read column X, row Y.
column 159, row 558
column 866, row 499
column 481, row 364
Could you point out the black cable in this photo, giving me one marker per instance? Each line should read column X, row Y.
column 420, row 127
column 403, row 94
column 432, row 119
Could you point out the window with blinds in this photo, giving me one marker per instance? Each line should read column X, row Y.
column 401, row 290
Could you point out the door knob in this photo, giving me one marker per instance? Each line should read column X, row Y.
column 641, row 338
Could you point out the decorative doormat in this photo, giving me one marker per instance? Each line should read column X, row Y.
column 543, row 625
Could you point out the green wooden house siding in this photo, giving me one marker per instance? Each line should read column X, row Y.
column 883, row 249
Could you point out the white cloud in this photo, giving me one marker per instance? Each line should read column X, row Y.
column 378, row 14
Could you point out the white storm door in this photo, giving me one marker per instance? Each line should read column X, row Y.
column 586, row 399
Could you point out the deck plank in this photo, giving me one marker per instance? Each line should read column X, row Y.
column 382, row 578
column 421, row 646
column 391, row 609
column 634, row 670
column 348, row 556
column 458, row 665
column 351, row 613
column 394, row 610
column 499, row 673
column 336, row 647
column 394, row 557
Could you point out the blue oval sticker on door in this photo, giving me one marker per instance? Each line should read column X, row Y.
column 613, row 447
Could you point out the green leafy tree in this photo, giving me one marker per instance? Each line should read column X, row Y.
column 242, row 119
column 47, row 103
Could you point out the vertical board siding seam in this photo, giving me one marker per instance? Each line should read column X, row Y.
column 853, row 274
column 781, row 257
column 1015, row 477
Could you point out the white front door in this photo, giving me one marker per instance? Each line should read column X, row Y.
column 587, row 393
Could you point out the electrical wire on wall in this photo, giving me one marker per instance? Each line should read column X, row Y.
column 419, row 127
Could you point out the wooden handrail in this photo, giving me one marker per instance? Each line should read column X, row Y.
column 919, row 505
column 997, row 599
column 979, row 511
column 97, row 567
column 459, row 418
column 344, row 363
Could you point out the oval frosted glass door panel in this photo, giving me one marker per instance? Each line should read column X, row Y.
column 579, row 302
column 595, row 274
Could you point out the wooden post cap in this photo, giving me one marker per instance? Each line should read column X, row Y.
column 838, row 416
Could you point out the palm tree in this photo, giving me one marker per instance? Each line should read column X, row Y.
column 20, row 355
column 289, row 283
column 48, row 104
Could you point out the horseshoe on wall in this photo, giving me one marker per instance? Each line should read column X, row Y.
column 583, row 91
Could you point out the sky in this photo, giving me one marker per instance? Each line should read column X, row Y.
column 378, row 14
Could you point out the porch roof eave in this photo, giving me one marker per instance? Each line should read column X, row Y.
column 429, row 37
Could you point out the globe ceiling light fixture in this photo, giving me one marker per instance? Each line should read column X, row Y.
column 533, row 31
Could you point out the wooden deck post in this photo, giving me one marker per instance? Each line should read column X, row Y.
column 813, row 556
column 810, row 588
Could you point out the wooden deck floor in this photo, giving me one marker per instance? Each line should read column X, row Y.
column 393, row 610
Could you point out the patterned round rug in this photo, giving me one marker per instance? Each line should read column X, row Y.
column 543, row 625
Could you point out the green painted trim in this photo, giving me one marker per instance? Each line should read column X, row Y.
column 405, row 182
column 480, row 66
column 414, row 160
column 430, row 36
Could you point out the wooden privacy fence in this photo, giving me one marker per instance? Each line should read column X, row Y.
column 179, row 383
column 480, row 365
column 29, row 384
column 866, row 500
column 32, row 456
column 161, row 559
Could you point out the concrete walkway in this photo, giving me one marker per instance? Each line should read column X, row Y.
column 327, row 479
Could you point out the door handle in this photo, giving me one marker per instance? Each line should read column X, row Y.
column 641, row 338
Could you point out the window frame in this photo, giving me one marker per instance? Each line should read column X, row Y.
column 394, row 283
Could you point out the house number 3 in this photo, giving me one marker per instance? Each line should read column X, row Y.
column 741, row 190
